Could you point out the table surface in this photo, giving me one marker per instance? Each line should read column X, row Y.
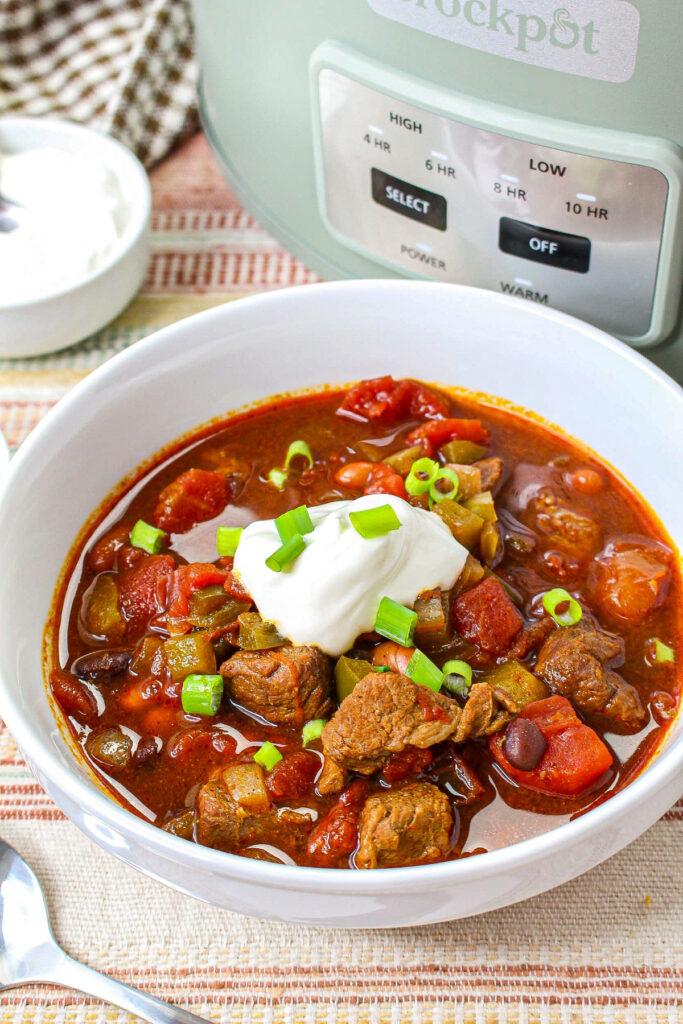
column 606, row 947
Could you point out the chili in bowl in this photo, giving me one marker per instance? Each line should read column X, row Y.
column 388, row 625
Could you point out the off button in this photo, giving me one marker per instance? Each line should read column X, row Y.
column 554, row 248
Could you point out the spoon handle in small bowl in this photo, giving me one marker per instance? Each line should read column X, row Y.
column 73, row 974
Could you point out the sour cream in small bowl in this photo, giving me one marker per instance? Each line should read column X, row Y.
column 81, row 249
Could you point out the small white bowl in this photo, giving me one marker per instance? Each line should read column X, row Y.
column 64, row 317
column 595, row 388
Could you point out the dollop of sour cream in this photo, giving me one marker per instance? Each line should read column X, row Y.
column 75, row 215
column 330, row 594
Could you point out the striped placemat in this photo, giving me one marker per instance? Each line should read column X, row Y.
column 607, row 947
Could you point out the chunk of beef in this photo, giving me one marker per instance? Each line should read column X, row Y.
column 491, row 471
column 384, row 714
column 331, row 778
column 531, row 637
column 102, row 666
column 234, row 811
column 286, row 686
column 404, row 826
column 566, row 530
column 487, row 710
column 486, row 616
column 574, row 662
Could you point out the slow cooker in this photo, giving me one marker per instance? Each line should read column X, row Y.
column 531, row 147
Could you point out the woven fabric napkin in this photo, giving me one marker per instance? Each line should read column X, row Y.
column 123, row 66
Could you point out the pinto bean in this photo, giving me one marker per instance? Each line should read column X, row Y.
column 393, row 655
column 524, row 744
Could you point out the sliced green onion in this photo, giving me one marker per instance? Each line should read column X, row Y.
column 277, row 478
column 147, row 537
column 458, row 677
column 422, row 473
column 268, row 756
column 202, row 694
column 381, row 668
column 298, row 448
column 290, row 550
column 396, row 622
column 313, row 730
column 227, row 539
column 435, row 493
column 374, row 522
column 296, row 521
column 662, row 652
column 553, row 598
column 422, row 670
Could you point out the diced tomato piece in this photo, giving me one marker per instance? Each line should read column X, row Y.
column 486, row 616
column 233, row 586
column 143, row 591
column 385, row 480
column 575, row 756
column 336, row 834
column 432, row 435
column 409, row 761
column 73, row 697
column 199, row 740
column 196, row 495
column 187, row 580
column 373, row 477
column 386, row 399
column 293, row 777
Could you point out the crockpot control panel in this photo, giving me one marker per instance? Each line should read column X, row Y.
column 457, row 190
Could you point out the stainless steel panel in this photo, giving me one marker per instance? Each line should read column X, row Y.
column 483, row 176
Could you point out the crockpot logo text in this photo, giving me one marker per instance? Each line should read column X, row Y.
column 594, row 38
column 527, row 29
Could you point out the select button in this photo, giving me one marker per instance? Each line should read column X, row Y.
column 409, row 200
column 554, row 248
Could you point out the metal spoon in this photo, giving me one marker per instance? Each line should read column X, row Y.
column 12, row 215
column 29, row 951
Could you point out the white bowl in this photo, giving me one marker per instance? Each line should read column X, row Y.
column 596, row 388
column 64, row 317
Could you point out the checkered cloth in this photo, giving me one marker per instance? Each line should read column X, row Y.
column 123, row 66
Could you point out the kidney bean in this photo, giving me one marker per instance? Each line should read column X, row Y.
column 73, row 697
column 524, row 744
column 147, row 750
column 102, row 666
